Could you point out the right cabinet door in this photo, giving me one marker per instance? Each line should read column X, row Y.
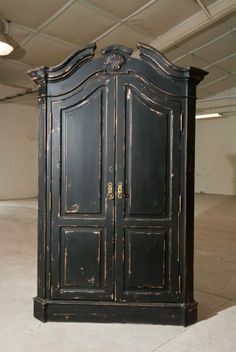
column 147, row 179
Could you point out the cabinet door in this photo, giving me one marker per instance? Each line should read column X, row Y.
column 81, row 218
column 147, row 179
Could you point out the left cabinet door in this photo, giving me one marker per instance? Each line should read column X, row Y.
column 82, row 175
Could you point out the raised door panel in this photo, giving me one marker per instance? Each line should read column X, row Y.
column 81, row 160
column 146, row 259
column 82, row 227
column 147, row 159
column 82, row 258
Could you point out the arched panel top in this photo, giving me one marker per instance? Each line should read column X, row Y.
column 148, row 99
column 115, row 60
column 84, row 100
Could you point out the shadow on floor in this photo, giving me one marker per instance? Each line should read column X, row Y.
column 215, row 255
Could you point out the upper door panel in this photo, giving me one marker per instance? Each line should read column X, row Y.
column 151, row 153
column 82, row 155
column 148, row 129
column 81, row 129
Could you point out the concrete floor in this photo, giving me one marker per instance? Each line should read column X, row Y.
column 215, row 276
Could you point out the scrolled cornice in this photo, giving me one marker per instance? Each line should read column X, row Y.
column 77, row 59
column 160, row 62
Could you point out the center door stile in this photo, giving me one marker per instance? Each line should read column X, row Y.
column 119, row 180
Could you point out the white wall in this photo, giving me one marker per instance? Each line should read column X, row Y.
column 215, row 165
column 18, row 151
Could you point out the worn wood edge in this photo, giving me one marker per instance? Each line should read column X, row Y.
column 40, row 309
column 190, row 313
column 114, row 312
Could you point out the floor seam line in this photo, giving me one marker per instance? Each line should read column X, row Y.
column 214, row 294
column 169, row 340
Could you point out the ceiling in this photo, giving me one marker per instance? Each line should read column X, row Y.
column 199, row 33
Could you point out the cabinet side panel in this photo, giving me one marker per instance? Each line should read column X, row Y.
column 190, row 200
column 187, row 184
column 42, row 192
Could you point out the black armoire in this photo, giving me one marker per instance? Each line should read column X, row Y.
column 116, row 188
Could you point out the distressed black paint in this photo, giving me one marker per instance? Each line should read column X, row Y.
column 116, row 188
column 81, row 155
column 146, row 169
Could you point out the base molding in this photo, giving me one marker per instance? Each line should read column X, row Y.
column 114, row 312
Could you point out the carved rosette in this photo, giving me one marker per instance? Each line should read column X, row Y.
column 115, row 60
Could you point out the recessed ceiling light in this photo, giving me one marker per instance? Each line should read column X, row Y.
column 208, row 116
column 5, row 47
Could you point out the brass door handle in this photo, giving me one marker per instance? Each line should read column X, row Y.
column 119, row 190
column 120, row 193
column 110, row 194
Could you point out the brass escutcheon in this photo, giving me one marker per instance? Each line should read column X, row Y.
column 120, row 190
column 110, row 191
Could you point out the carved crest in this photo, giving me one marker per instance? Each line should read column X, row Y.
column 115, row 60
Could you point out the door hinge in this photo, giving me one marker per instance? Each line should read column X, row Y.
column 50, row 121
column 180, row 203
column 49, row 281
column 179, row 284
column 181, row 121
column 120, row 190
column 50, row 201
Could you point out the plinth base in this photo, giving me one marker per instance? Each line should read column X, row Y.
column 115, row 312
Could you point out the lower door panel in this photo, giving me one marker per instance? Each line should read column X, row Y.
column 145, row 264
column 82, row 259
column 83, row 264
column 147, row 268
